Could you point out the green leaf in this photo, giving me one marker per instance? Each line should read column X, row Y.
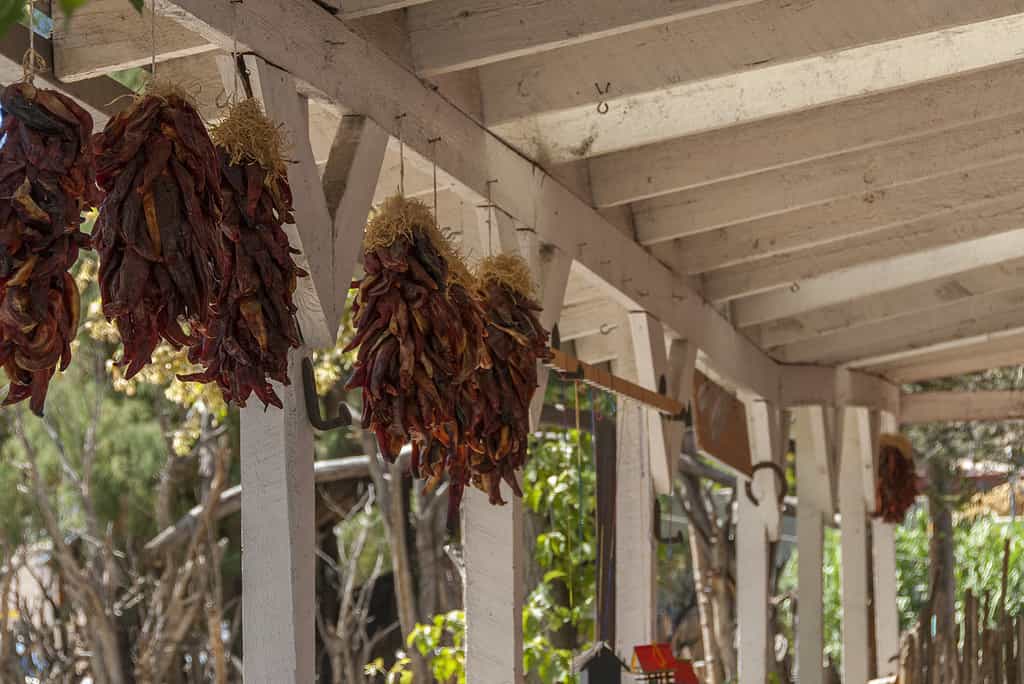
column 554, row 574
column 11, row 12
column 137, row 4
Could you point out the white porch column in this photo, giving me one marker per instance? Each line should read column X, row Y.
column 278, row 538
column 635, row 567
column 751, row 591
column 757, row 524
column 886, row 612
column 814, row 454
column 856, row 450
column 493, row 536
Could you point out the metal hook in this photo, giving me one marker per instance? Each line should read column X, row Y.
column 606, row 329
column 344, row 417
column 602, row 106
column 780, row 473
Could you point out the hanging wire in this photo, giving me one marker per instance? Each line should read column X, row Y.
column 401, row 156
column 433, row 154
column 579, row 467
column 234, row 47
column 152, row 42
column 32, row 61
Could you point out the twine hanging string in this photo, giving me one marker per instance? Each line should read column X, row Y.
column 32, row 62
column 433, row 155
column 152, row 42
column 401, row 156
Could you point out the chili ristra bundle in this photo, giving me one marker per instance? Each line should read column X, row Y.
column 408, row 333
column 253, row 326
column 896, row 484
column 515, row 341
column 453, row 447
column 46, row 176
column 158, row 236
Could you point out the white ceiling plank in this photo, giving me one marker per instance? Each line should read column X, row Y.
column 872, row 279
column 864, row 123
column 987, row 218
column 863, row 176
column 917, row 297
column 450, row 35
column 946, row 407
column 970, row 355
column 670, row 105
column 353, row 9
column 705, row 250
column 593, row 317
column 974, row 316
column 105, row 36
column 318, row 48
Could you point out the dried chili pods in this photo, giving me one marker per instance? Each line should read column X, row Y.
column 408, row 334
column 515, row 340
column 46, row 176
column 896, row 483
column 158, row 235
column 246, row 341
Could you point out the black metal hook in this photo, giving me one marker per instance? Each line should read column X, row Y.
column 780, row 473
column 344, row 417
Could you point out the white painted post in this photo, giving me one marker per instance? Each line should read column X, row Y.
column 853, row 512
column 493, row 536
column 492, row 540
column 814, row 496
column 887, row 618
column 278, row 537
column 635, row 567
column 751, row 590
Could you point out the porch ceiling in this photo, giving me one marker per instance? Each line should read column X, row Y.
column 815, row 182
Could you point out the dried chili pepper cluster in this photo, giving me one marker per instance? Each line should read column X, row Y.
column 515, row 341
column 158, row 235
column 46, row 172
column 409, row 334
column 896, row 484
column 246, row 341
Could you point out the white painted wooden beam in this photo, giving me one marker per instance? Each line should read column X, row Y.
column 592, row 317
column 312, row 232
column 810, row 385
column 109, row 35
column 448, row 35
column 886, row 608
column 884, row 305
column 635, row 551
column 975, row 221
column 705, row 247
column 768, row 427
column 492, row 542
column 844, row 127
column 878, row 277
column 855, row 549
column 352, row 9
column 278, row 537
column 311, row 44
column 813, row 466
column 970, row 316
column 869, row 182
column 548, row 107
column 349, row 183
column 965, row 356
column 751, row 592
column 655, row 366
column 944, row 407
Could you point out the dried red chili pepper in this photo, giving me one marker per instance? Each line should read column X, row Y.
column 408, row 333
column 896, row 483
column 46, row 173
column 253, row 325
column 515, row 341
column 158, row 235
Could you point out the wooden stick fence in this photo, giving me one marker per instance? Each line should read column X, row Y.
column 986, row 648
